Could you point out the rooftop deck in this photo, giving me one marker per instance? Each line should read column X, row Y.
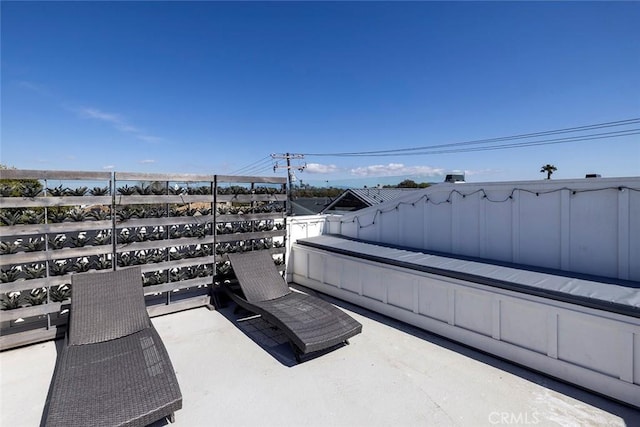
column 244, row 373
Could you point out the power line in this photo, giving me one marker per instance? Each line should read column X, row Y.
column 258, row 170
column 255, row 166
column 605, row 135
column 427, row 149
column 596, row 136
column 265, row 170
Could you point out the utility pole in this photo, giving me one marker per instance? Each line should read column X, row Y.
column 290, row 176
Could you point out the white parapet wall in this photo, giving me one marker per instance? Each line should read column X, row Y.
column 300, row 227
column 589, row 226
column 592, row 348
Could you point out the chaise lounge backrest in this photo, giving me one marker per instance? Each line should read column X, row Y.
column 258, row 276
column 106, row 306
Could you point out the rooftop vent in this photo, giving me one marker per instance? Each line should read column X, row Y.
column 454, row 178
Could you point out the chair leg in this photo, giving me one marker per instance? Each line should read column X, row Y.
column 172, row 418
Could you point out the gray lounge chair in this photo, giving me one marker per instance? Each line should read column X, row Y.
column 113, row 368
column 310, row 323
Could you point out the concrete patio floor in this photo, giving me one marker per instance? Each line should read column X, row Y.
column 244, row 374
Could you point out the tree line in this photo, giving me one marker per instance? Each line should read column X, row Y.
column 307, row 190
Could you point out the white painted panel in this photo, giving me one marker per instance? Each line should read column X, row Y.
column 372, row 283
column 473, row 311
column 625, row 353
column 524, row 324
column 387, row 225
column 439, row 226
column 299, row 260
column 634, row 235
column 315, row 266
column 434, row 299
column 332, row 225
column 368, row 233
column 349, row 228
column 498, row 231
column 316, row 228
column 539, row 229
column 636, row 358
column 594, row 233
column 411, row 224
column 332, row 270
column 586, row 342
column 399, row 290
column 467, row 222
column 350, row 279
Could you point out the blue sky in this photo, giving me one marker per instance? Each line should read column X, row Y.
column 216, row 87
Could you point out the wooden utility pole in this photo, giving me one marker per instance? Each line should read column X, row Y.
column 288, row 157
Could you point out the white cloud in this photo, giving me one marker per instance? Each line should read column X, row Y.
column 108, row 167
column 117, row 121
column 481, row 172
column 147, row 161
column 126, row 128
column 396, row 169
column 149, row 138
column 34, row 87
column 320, row 168
column 100, row 115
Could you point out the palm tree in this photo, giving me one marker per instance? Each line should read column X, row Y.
column 549, row 169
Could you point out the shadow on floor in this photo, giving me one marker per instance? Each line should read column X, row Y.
column 268, row 337
column 60, row 343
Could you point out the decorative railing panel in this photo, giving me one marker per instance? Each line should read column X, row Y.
column 178, row 227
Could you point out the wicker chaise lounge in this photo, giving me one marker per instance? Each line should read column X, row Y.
column 113, row 369
column 310, row 323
